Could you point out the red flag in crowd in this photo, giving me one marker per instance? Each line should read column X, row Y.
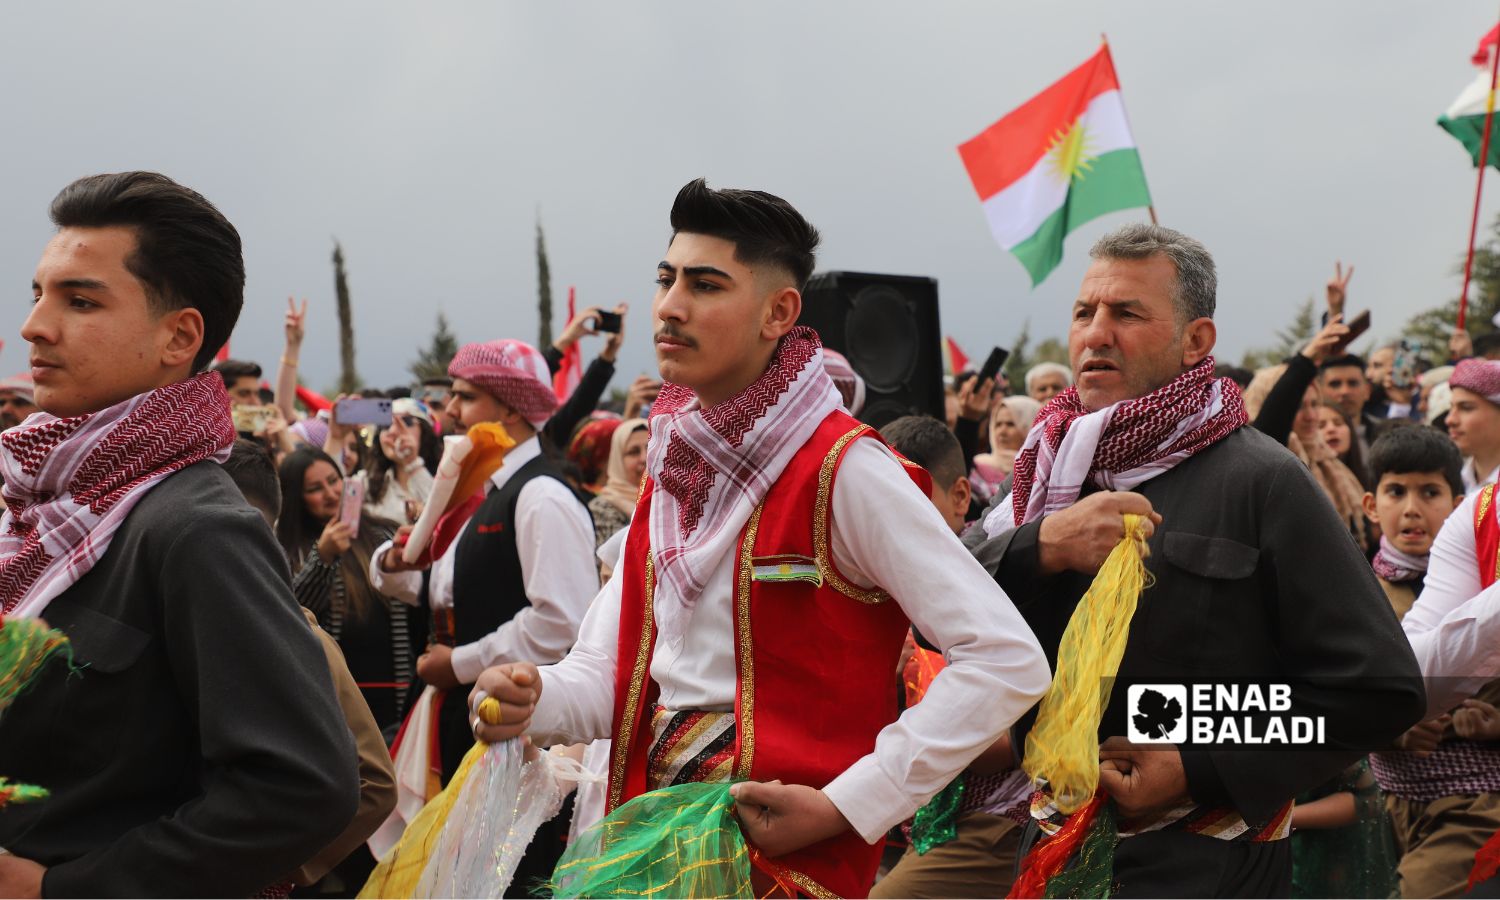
column 957, row 360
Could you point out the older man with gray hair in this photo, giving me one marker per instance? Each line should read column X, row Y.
column 1046, row 380
column 1254, row 583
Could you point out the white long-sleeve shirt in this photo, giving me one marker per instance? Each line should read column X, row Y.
column 885, row 532
column 1454, row 627
column 555, row 540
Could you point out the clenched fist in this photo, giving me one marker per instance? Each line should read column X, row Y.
column 1081, row 537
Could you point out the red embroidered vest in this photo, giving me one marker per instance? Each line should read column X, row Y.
column 816, row 661
column 1487, row 535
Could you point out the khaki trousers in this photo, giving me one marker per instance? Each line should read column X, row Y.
column 979, row 862
column 1437, row 841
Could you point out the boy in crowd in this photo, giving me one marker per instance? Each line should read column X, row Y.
column 1417, row 486
column 1441, row 792
column 980, row 860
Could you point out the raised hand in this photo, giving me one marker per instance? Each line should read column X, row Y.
column 577, row 327
column 296, row 320
column 1338, row 288
column 335, row 540
column 1326, row 341
column 974, row 399
column 613, row 340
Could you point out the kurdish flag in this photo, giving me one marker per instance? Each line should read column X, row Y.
column 1064, row 158
column 1465, row 118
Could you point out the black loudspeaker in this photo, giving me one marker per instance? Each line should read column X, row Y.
column 887, row 326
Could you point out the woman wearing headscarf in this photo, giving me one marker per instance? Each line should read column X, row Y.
column 615, row 503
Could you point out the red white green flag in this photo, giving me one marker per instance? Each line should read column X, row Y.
column 1064, row 158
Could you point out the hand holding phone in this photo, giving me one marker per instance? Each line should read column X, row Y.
column 993, row 364
column 608, row 321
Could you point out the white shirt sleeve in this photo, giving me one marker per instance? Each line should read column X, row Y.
column 555, row 540
column 578, row 694
column 887, row 533
column 1454, row 627
column 404, row 586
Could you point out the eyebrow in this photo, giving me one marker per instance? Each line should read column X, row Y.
column 695, row 270
column 1112, row 304
column 85, row 284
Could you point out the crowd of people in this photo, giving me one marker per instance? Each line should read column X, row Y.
column 724, row 575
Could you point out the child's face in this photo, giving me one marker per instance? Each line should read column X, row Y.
column 1410, row 508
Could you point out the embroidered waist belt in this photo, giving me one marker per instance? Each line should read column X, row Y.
column 689, row 746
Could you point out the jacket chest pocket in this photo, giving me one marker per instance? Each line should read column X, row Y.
column 1204, row 590
column 104, row 693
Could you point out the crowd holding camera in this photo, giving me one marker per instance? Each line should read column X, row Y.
column 283, row 628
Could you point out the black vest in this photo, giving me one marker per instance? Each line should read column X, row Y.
column 488, row 586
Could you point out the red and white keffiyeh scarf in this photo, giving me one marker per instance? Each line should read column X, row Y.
column 71, row 482
column 713, row 466
column 1116, row 448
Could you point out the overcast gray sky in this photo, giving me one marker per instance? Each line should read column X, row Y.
column 427, row 137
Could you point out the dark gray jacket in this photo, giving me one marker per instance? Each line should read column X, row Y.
column 1256, row 578
column 199, row 750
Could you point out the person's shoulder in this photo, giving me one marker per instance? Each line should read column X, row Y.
column 194, row 498
column 1248, row 449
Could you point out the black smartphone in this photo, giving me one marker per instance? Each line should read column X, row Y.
column 992, row 365
column 608, row 321
column 1357, row 326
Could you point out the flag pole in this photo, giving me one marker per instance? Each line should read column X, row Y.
column 1484, row 162
column 1151, row 208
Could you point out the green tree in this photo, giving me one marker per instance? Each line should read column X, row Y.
column 1432, row 327
column 1023, row 356
column 543, row 289
column 432, row 361
column 1018, row 362
column 1288, row 340
column 348, row 378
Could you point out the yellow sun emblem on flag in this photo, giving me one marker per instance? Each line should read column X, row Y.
column 1071, row 154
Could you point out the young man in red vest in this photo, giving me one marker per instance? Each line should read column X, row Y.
column 752, row 625
column 1445, row 803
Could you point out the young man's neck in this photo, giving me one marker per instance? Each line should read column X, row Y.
column 1486, row 463
column 732, row 387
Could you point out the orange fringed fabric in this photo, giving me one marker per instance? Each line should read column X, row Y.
column 1051, row 856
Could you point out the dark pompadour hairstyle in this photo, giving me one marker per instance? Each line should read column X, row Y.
column 928, row 443
column 187, row 254
column 764, row 228
column 1340, row 362
column 231, row 370
column 1417, row 448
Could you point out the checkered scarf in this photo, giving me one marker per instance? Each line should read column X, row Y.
column 70, row 483
column 713, row 466
column 1116, row 448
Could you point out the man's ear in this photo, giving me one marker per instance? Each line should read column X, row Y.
column 782, row 311
column 1368, row 502
column 1198, row 338
column 961, row 494
column 184, row 333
